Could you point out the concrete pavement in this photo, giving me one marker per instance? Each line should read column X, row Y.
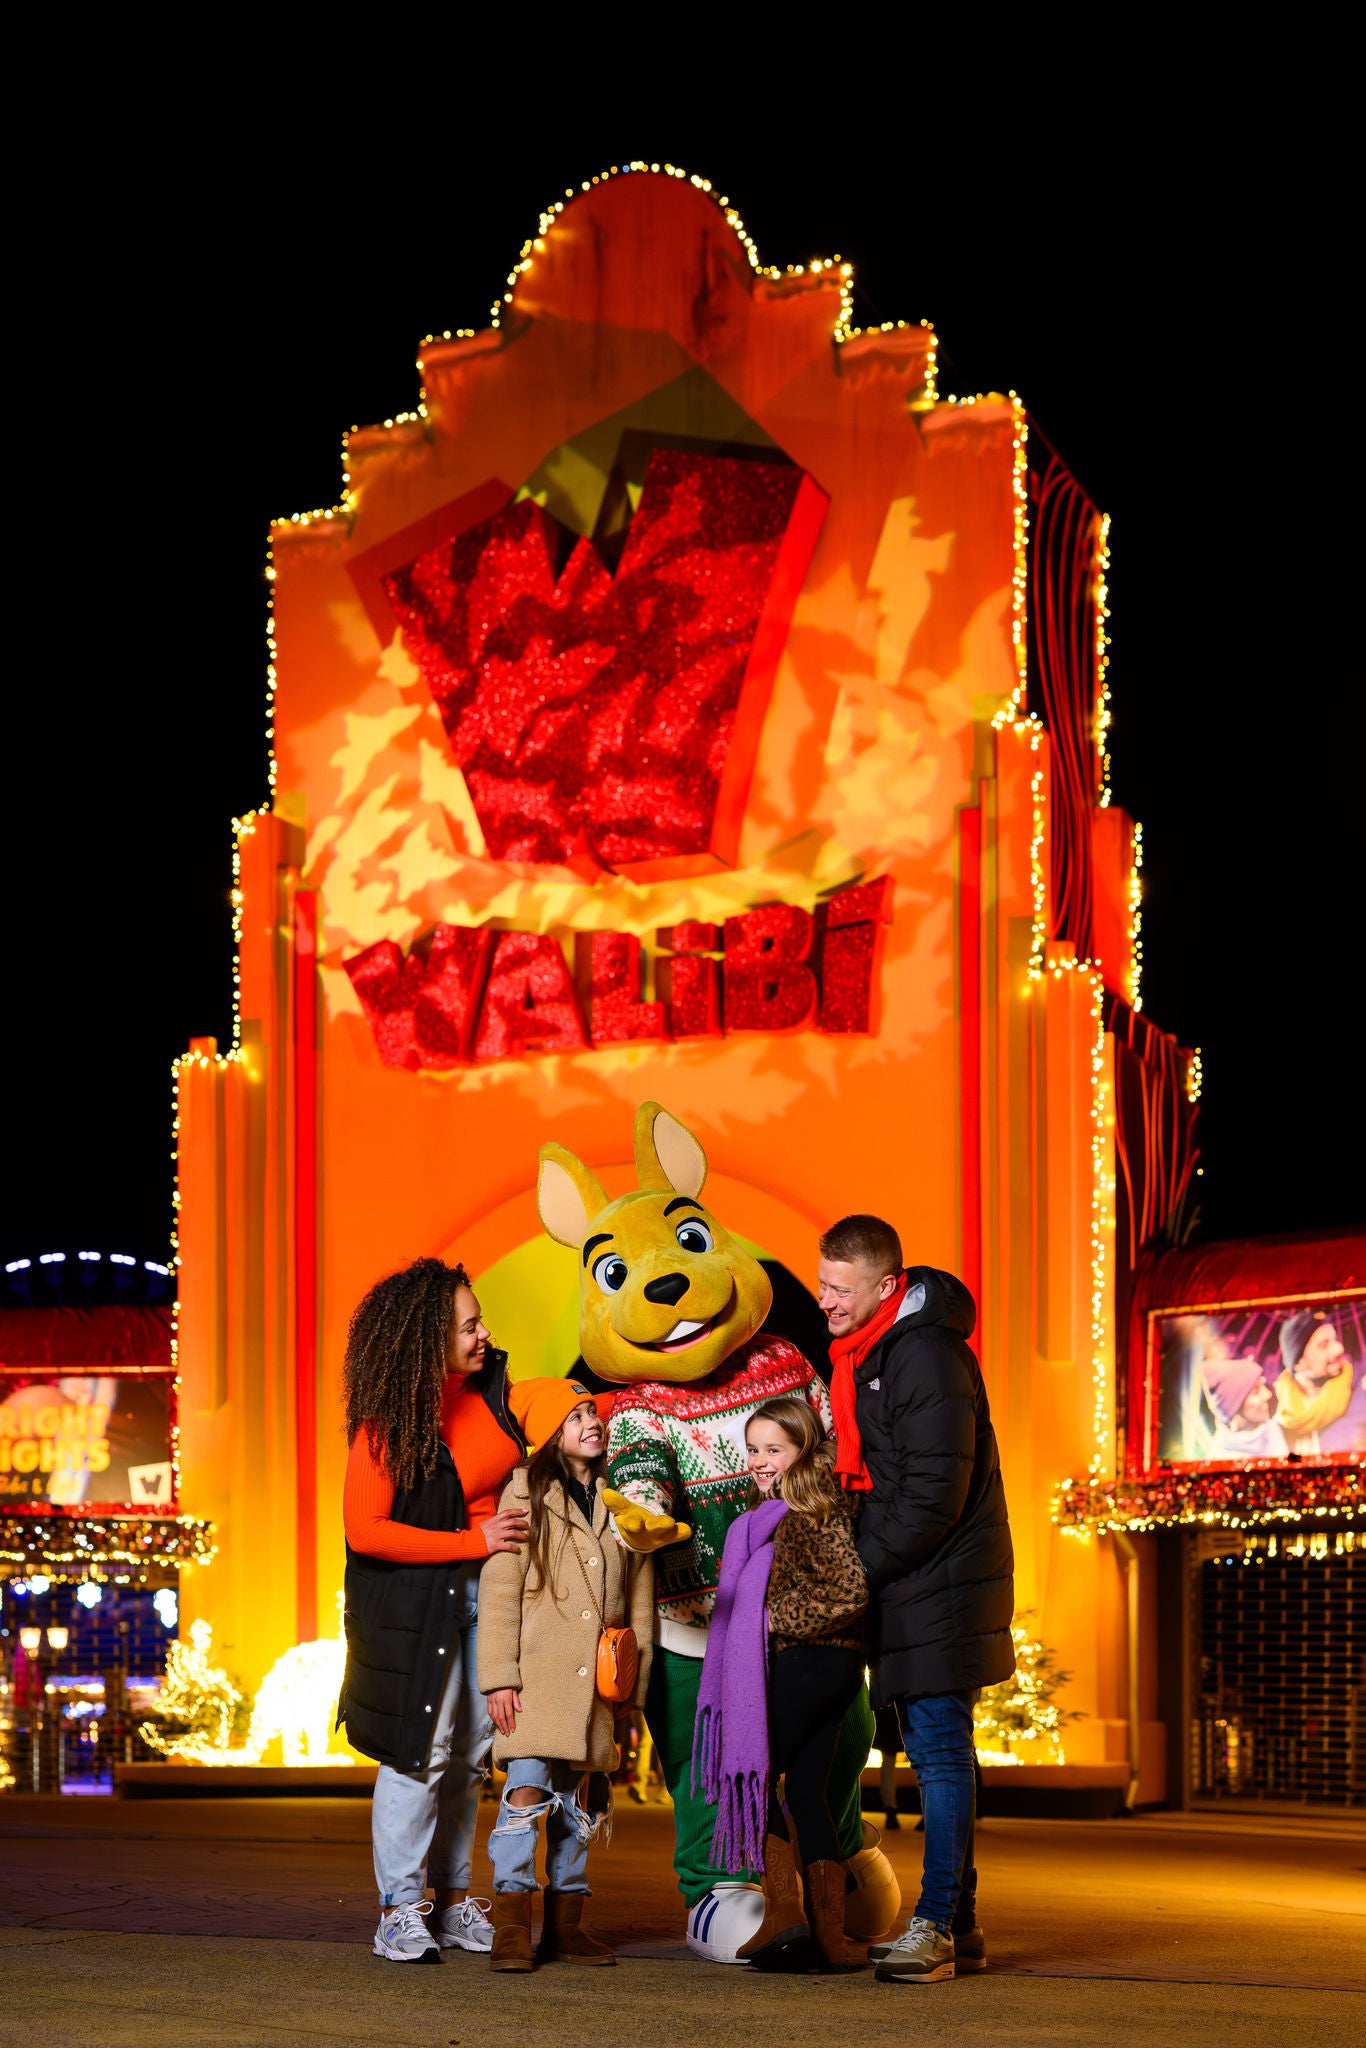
column 237, row 1921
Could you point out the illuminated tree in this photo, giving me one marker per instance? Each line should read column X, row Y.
column 296, row 1705
column 1023, row 1708
column 200, row 1695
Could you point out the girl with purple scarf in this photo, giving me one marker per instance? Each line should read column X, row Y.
column 785, row 1659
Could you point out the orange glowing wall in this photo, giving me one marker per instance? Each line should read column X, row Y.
column 897, row 742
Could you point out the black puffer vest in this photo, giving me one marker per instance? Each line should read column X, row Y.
column 400, row 1618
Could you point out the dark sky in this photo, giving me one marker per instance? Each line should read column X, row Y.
column 212, row 300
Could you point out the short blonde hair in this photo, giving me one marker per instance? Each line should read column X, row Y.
column 863, row 1237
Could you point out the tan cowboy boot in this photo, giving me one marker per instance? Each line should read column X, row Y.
column 511, row 1931
column 825, row 1905
column 562, row 1934
column 783, row 1939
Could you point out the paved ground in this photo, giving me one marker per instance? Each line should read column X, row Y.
column 228, row 1922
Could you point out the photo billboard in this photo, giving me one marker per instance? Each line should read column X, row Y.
column 1278, row 1381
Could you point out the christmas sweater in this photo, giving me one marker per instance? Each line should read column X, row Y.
column 680, row 1450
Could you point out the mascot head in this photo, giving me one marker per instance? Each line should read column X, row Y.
column 665, row 1292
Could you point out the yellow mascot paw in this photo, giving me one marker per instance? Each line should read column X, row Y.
column 873, row 1908
column 638, row 1528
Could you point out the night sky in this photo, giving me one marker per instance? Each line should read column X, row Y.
column 210, row 305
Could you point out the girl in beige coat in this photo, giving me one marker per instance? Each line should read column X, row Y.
column 541, row 1614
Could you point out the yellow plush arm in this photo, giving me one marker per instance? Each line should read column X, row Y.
column 638, row 1528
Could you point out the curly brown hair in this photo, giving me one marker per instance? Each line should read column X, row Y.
column 394, row 1371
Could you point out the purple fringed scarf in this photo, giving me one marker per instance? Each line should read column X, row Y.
column 730, row 1741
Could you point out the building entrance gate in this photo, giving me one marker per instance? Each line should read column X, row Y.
column 1278, row 1669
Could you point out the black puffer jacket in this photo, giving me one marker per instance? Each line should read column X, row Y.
column 401, row 1618
column 933, row 1537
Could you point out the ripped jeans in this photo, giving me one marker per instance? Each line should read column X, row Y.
column 568, row 1828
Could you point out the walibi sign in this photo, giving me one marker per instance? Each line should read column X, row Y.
column 468, row 993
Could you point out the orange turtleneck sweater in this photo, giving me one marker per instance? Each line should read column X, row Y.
column 484, row 1456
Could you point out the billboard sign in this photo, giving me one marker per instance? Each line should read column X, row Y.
column 1279, row 1381
column 86, row 1442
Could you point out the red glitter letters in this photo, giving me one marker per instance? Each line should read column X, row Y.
column 854, row 922
column 529, row 1003
column 467, row 993
column 608, row 975
column 768, row 985
column 422, row 1009
column 690, row 983
column 613, row 720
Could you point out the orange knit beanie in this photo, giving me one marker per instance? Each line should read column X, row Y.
column 541, row 1406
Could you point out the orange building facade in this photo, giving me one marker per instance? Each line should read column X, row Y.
column 888, row 717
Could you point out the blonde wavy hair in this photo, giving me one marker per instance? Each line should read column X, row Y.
column 809, row 1484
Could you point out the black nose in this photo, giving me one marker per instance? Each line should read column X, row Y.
column 670, row 1287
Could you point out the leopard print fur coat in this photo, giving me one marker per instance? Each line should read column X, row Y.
column 817, row 1590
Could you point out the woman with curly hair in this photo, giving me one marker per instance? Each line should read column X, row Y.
column 432, row 1444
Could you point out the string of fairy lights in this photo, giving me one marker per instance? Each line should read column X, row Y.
column 1102, row 1236
column 1019, row 578
column 1136, row 920
column 101, row 1548
column 1101, row 608
column 818, row 268
column 272, row 672
column 1045, row 960
column 1231, row 1498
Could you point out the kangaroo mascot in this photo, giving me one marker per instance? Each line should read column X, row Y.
column 670, row 1307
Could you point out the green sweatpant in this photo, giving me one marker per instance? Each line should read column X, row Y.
column 671, row 1710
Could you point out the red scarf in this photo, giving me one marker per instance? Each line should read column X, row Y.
column 846, row 1356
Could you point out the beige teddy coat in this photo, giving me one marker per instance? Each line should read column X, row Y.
column 543, row 1641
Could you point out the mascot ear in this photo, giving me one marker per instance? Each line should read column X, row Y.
column 667, row 1155
column 567, row 1195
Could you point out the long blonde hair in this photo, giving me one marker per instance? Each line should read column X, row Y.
column 809, row 1484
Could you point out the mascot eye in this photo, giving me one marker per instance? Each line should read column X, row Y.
column 610, row 1273
column 694, row 1236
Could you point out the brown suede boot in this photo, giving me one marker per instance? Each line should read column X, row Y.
column 563, row 1935
column 783, row 1941
column 511, row 1931
column 825, row 1904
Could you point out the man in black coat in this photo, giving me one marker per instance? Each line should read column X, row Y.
column 914, row 1435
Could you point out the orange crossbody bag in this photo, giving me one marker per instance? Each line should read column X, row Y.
column 618, row 1659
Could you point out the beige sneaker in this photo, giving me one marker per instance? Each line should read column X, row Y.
column 922, row 1956
column 969, row 1951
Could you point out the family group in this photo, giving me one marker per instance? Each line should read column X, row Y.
column 519, row 1583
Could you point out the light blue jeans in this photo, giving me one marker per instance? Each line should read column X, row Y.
column 422, row 1822
column 568, row 1829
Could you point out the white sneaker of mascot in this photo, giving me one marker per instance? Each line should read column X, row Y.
column 720, row 1923
column 670, row 1309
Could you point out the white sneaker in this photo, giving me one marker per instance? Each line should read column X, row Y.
column 465, row 1925
column 402, row 1936
column 724, row 1920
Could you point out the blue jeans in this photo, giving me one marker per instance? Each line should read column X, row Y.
column 569, row 1828
column 936, row 1734
column 423, row 1821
